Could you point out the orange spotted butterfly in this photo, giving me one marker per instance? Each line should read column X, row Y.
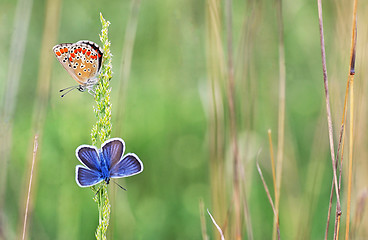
column 82, row 60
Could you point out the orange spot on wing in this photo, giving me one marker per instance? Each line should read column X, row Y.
column 76, row 50
column 73, row 55
column 88, row 53
column 84, row 51
column 62, row 50
column 65, row 49
column 70, row 59
column 79, row 49
column 99, row 55
column 58, row 53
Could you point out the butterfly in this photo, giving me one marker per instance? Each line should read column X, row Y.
column 105, row 163
column 82, row 60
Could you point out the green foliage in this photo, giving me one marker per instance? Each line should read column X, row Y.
column 164, row 118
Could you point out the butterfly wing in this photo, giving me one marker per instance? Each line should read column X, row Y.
column 97, row 49
column 86, row 177
column 88, row 155
column 112, row 151
column 82, row 60
column 129, row 165
column 90, row 174
column 62, row 52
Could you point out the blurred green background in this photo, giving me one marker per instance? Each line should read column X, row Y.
column 163, row 110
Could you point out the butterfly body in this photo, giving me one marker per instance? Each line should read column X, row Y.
column 104, row 169
column 82, row 60
column 105, row 163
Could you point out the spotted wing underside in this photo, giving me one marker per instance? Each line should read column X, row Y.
column 82, row 60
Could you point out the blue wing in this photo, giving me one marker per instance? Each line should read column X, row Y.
column 128, row 166
column 88, row 155
column 112, row 150
column 86, row 177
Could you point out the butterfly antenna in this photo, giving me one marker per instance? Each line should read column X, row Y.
column 62, row 90
column 69, row 90
column 119, row 185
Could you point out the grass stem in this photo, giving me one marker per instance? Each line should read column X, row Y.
column 281, row 118
column 270, row 200
column 351, row 129
column 272, row 162
column 329, row 119
column 35, row 148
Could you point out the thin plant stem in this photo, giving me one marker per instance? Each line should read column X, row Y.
column 269, row 199
column 351, row 130
column 272, row 162
column 35, row 147
column 329, row 209
column 233, row 137
column 215, row 70
column 329, row 120
column 281, row 118
column 341, row 145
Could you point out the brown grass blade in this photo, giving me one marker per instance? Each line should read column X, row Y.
column 233, row 130
column 35, row 147
column 270, row 200
column 281, row 120
column 329, row 120
column 351, row 129
column 272, row 162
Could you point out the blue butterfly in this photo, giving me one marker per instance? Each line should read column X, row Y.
column 105, row 163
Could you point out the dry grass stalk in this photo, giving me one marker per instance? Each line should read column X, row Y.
column 329, row 121
column 281, row 120
column 216, row 74
column 272, row 162
column 35, row 147
column 270, row 200
column 351, row 130
column 233, row 129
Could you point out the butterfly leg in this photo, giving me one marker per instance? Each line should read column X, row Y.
column 92, row 92
column 98, row 190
